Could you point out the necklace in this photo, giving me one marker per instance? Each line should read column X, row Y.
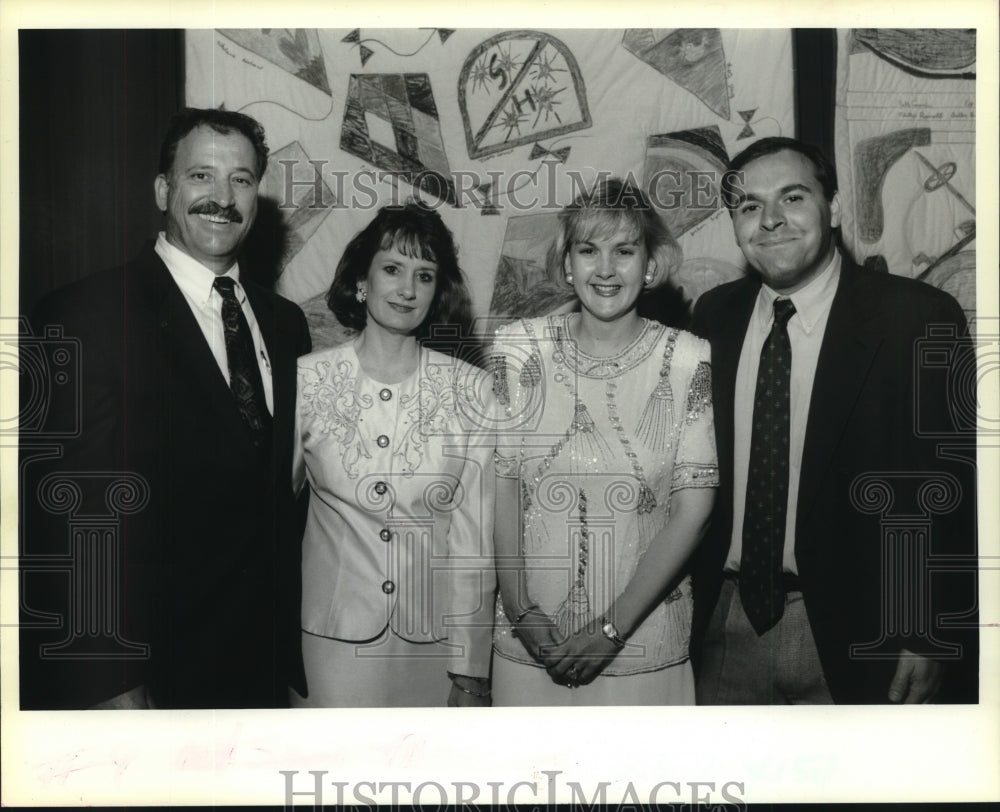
column 577, row 336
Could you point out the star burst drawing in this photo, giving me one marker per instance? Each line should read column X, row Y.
column 481, row 76
column 511, row 119
column 545, row 101
column 543, row 70
column 507, row 63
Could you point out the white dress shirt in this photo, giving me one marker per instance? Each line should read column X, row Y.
column 197, row 284
column 805, row 333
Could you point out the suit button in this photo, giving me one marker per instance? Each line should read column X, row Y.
column 385, row 394
column 388, row 587
column 382, row 441
column 385, row 534
column 381, row 488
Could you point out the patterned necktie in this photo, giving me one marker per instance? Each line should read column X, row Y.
column 767, row 483
column 244, row 372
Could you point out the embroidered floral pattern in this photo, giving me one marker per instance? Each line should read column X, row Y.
column 430, row 413
column 329, row 395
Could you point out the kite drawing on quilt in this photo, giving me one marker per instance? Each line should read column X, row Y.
column 296, row 50
column 686, row 167
column 366, row 52
column 517, row 88
column 921, row 51
column 391, row 121
column 873, row 158
column 930, row 186
column 941, row 220
column 304, row 204
column 691, row 57
column 940, row 225
column 522, row 286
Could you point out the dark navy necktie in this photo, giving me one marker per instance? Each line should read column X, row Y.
column 761, row 589
column 244, row 371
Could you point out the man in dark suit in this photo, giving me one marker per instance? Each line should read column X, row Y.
column 188, row 597
column 815, row 584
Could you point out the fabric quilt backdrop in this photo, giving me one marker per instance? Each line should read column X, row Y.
column 906, row 153
column 499, row 129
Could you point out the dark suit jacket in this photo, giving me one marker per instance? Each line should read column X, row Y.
column 869, row 399
column 208, row 567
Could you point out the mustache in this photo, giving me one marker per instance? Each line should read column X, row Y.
column 214, row 209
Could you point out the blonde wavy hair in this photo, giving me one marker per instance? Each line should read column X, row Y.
column 610, row 206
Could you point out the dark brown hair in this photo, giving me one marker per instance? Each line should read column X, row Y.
column 223, row 122
column 417, row 231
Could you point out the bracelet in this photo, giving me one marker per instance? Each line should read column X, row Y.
column 611, row 632
column 466, row 690
column 527, row 611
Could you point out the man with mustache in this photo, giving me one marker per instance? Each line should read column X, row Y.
column 188, row 392
column 802, row 591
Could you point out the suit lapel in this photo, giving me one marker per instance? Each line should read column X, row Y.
column 181, row 336
column 850, row 343
column 727, row 344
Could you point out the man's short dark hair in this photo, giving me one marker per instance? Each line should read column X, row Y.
column 826, row 173
column 223, row 122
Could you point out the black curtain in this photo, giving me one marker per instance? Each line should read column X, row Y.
column 93, row 108
column 814, row 60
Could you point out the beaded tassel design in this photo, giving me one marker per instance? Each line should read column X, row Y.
column 500, row 387
column 657, row 417
column 531, row 372
column 700, row 392
column 647, row 499
column 587, row 446
column 526, row 500
column 574, row 612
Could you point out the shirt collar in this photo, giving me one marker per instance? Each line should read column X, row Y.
column 811, row 302
column 193, row 278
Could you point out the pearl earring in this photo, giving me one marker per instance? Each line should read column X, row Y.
column 649, row 279
column 569, row 279
column 361, row 295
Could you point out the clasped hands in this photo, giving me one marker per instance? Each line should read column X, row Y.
column 571, row 661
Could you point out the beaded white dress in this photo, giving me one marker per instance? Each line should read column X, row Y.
column 599, row 446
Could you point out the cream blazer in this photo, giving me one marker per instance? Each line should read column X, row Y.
column 400, row 524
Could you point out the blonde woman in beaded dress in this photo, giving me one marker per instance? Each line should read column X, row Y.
column 397, row 572
column 608, row 457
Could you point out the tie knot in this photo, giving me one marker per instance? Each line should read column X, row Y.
column 226, row 286
column 784, row 309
